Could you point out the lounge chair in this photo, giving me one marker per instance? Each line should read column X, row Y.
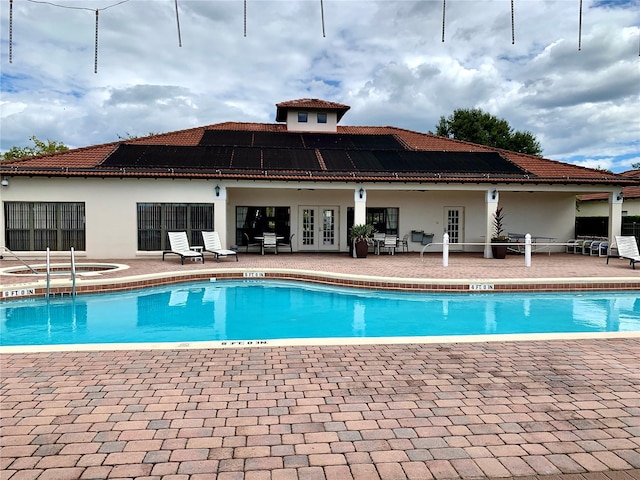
column 269, row 241
column 212, row 245
column 180, row 246
column 288, row 245
column 628, row 249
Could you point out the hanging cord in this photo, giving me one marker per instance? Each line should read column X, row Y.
column 245, row 18
column 444, row 7
column 95, row 56
column 178, row 22
column 322, row 15
column 10, row 31
column 580, row 28
column 513, row 26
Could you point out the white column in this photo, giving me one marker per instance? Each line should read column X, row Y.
column 220, row 213
column 491, row 204
column 615, row 214
column 360, row 206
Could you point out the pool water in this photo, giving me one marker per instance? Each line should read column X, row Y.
column 260, row 310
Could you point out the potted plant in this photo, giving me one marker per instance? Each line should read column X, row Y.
column 361, row 236
column 499, row 251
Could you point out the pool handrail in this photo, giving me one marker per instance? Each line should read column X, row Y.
column 73, row 273
column 527, row 247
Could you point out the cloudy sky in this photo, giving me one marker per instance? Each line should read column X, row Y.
column 574, row 85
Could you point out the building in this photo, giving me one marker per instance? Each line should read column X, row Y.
column 304, row 176
column 592, row 217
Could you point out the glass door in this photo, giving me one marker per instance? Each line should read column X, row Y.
column 454, row 220
column 318, row 228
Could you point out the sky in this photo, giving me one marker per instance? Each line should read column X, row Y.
column 572, row 81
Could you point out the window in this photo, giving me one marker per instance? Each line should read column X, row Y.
column 302, row 117
column 34, row 226
column 254, row 221
column 322, row 117
column 384, row 220
column 156, row 219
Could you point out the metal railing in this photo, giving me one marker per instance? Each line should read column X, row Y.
column 73, row 272
column 527, row 247
column 5, row 249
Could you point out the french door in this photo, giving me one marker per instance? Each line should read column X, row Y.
column 454, row 221
column 318, row 228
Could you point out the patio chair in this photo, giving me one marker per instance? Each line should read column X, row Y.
column 575, row 245
column 599, row 247
column 212, row 245
column 378, row 241
column 269, row 241
column 403, row 243
column 180, row 246
column 288, row 245
column 390, row 244
column 627, row 249
column 249, row 243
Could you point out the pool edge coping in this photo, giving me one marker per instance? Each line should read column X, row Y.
column 317, row 342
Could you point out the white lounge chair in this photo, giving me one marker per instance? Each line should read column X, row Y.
column 180, row 246
column 628, row 249
column 212, row 245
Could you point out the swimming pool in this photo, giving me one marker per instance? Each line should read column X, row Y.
column 266, row 310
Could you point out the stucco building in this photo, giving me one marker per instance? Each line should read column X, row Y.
column 304, row 175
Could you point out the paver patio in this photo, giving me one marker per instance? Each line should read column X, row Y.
column 567, row 408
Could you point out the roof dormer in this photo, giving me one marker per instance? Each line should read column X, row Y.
column 310, row 115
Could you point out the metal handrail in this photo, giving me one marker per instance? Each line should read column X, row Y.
column 73, row 273
column 48, row 273
column 19, row 259
column 527, row 245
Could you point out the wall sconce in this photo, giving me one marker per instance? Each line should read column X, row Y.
column 494, row 194
column 361, row 192
column 5, row 182
column 619, row 197
column 217, row 189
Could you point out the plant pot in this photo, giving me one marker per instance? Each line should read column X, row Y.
column 362, row 248
column 499, row 251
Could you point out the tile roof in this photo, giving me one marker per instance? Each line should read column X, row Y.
column 88, row 161
column 309, row 104
column 628, row 192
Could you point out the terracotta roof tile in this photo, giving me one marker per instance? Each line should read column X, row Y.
column 311, row 104
column 87, row 160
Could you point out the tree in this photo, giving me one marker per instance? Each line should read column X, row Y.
column 39, row 148
column 476, row 126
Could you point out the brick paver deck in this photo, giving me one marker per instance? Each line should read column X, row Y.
column 564, row 408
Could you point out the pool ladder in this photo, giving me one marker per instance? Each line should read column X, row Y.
column 73, row 272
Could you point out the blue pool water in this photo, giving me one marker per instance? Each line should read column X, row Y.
column 255, row 310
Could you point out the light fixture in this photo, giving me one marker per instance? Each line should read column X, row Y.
column 619, row 197
column 361, row 192
column 217, row 189
column 494, row 194
column 5, row 182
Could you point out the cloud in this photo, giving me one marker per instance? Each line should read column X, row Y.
column 386, row 59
